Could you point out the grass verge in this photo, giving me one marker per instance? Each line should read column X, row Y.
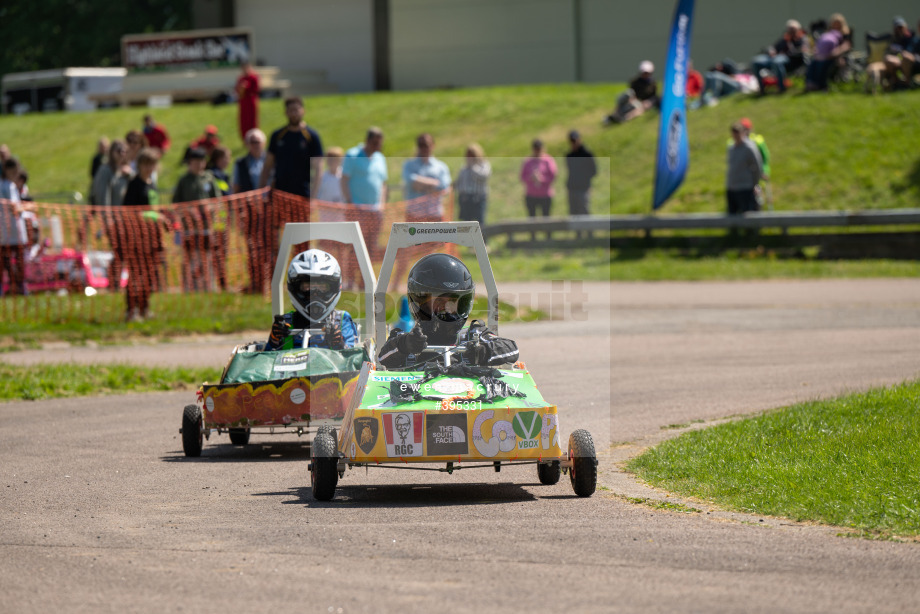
column 851, row 462
column 51, row 381
column 32, row 320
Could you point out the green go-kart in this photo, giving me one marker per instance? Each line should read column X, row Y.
column 443, row 412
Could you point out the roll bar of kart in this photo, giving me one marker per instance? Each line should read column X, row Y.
column 408, row 234
column 348, row 233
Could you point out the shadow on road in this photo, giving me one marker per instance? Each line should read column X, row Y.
column 409, row 495
column 227, row 452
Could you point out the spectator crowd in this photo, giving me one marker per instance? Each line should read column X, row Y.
column 344, row 184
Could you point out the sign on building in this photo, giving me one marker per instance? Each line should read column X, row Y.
column 197, row 49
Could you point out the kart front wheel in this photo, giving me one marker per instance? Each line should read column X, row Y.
column 192, row 436
column 239, row 437
column 324, row 474
column 584, row 463
column 548, row 473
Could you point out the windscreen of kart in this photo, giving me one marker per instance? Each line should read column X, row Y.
column 445, row 306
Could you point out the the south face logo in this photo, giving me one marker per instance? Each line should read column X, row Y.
column 403, row 433
column 446, row 434
column 366, row 431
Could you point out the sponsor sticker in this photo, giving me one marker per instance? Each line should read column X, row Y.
column 403, row 433
column 527, row 426
column 432, row 231
column 453, row 386
column 366, row 431
column 391, row 378
column 446, row 434
column 502, row 439
column 292, row 362
column 298, row 396
column 209, row 404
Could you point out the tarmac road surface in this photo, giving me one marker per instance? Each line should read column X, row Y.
column 102, row 512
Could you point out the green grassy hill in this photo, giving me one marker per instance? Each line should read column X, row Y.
column 835, row 151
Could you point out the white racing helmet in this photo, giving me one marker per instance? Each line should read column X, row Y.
column 314, row 283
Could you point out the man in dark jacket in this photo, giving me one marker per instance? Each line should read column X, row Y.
column 582, row 169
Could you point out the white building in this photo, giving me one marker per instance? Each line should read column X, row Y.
column 363, row 45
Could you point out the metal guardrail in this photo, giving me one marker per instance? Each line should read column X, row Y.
column 707, row 221
column 891, row 233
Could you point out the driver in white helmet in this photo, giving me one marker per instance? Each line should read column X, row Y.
column 314, row 285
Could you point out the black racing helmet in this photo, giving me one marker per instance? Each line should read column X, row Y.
column 440, row 292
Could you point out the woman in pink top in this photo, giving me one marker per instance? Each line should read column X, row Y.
column 538, row 173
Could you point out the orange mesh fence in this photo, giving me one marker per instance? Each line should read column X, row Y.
column 224, row 245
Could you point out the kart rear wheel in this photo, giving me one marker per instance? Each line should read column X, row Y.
column 239, row 437
column 192, row 436
column 584, row 463
column 548, row 473
column 324, row 455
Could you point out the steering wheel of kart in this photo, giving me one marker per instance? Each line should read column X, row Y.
column 442, row 354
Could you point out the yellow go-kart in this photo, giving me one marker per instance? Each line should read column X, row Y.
column 443, row 412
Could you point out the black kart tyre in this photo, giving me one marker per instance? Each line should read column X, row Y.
column 584, row 463
column 239, row 437
column 324, row 455
column 548, row 473
column 192, row 437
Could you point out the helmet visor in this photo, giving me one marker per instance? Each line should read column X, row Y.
column 314, row 291
column 446, row 306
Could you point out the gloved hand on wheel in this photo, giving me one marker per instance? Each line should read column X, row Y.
column 412, row 342
column 333, row 335
column 280, row 331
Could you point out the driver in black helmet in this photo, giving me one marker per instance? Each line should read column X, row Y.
column 440, row 292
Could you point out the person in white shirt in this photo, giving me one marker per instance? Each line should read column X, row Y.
column 330, row 184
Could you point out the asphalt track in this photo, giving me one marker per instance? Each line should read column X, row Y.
column 102, row 512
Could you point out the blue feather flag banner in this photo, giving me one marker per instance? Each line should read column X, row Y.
column 673, row 148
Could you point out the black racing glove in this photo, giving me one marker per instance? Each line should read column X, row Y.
column 280, row 331
column 412, row 342
column 333, row 335
column 477, row 354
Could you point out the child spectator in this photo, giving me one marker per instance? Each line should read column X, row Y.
column 196, row 185
column 330, row 183
column 22, row 181
column 206, row 142
column 218, row 163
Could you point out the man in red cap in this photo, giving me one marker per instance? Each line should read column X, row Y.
column 156, row 134
column 207, row 142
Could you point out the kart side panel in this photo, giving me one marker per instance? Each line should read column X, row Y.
column 278, row 402
column 455, row 427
